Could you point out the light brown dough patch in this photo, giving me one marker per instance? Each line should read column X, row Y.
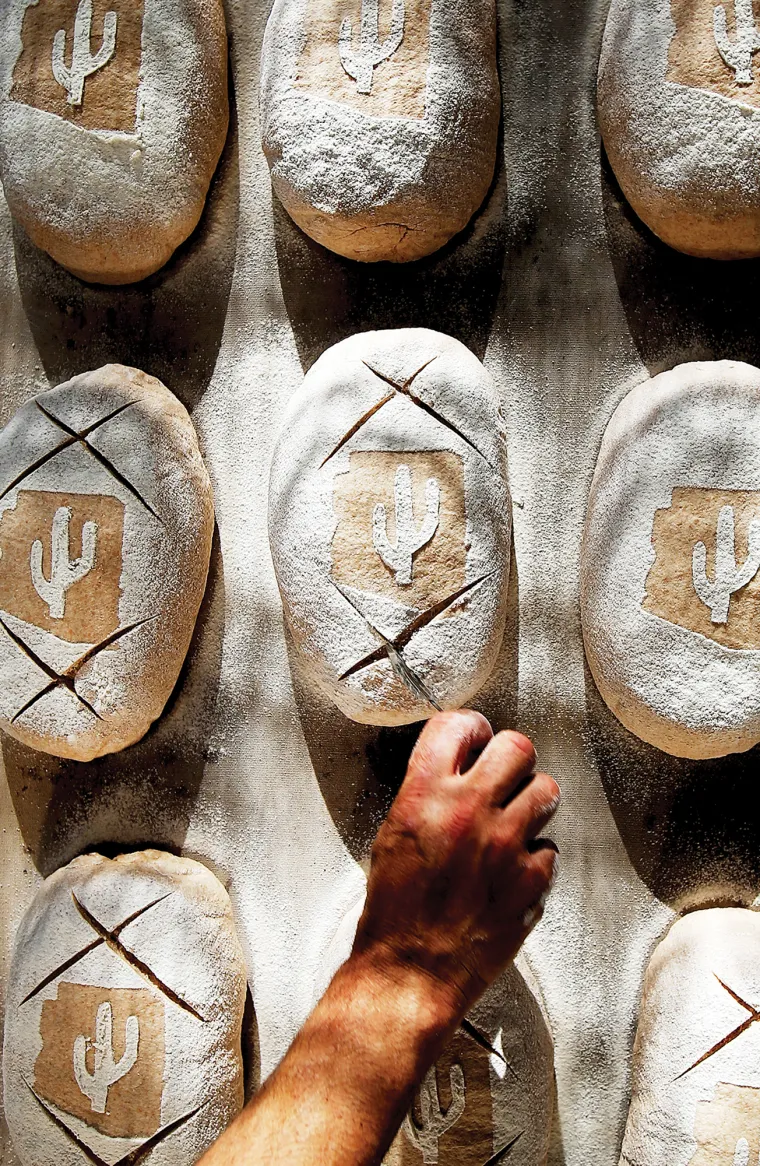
column 693, row 57
column 398, row 84
column 438, row 568
column 734, row 1113
column 133, row 1108
column 110, row 94
column 693, row 518
column 92, row 604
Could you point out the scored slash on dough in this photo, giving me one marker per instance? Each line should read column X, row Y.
column 732, row 1036
column 67, row 679
column 130, row 1159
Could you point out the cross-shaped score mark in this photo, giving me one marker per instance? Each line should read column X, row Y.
column 754, row 1015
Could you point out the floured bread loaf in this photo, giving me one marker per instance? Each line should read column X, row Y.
column 124, row 1013
column 490, row 1097
column 696, row 1060
column 389, row 522
column 113, row 115
column 106, row 520
column 679, row 111
column 380, row 119
column 669, row 578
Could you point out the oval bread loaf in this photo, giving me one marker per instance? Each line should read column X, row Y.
column 671, row 553
column 380, row 121
column 390, row 524
column 696, row 1059
column 106, row 521
column 113, row 116
column 679, row 110
column 124, row 1012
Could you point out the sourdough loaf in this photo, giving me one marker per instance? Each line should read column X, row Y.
column 106, row 520
column 671, row 553
column 124, row 1011
column 390, row 524
column 696, row 1059
column 380, row 120
column 679, row 111
column 113, row 116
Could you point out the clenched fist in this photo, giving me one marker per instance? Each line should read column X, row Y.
column 459, row 873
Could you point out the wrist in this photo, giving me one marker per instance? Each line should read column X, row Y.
column 408, row 996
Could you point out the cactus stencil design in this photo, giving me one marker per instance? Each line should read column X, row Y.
column 108, row 1071
column 737, row 54
column 435, row 1122
column 64, row 572
column 360, row 64
column 399, row 556
column 728, row 577
column 83, row 63
column 741, row 1154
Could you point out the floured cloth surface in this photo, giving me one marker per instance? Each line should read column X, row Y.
column 569, row 302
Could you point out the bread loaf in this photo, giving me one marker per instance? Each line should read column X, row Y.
column 106, row 520
column 390, row 524
column 679, row 111
column 670, row 560
column 113, row 116
column 696, row 1060
column 380, row 120
column 124, row 1012
column 490, row 1096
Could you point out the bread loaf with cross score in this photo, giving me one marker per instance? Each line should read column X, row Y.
column 390, row 524
column 124, row 1012
column 696, row 1059
column 106, row 521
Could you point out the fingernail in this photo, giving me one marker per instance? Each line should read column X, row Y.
column 523, row 743
column 555, row 871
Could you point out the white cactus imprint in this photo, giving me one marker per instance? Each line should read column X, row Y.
column 399, row 556
column 360, row 64
column 741, row 1153
column 728, row 577
column 737, row 54
column 83, row 63
column 64, row 572
column 435, row 1121
column 108, row 1071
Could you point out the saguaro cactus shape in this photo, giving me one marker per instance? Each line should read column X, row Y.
column 64, row 572
column 435, row 1121
column 737, row 54
column 399, row 556
column 741, row 1154
column 83, row 63
column 361, row 64
column 108, row 1071
column 716, row 594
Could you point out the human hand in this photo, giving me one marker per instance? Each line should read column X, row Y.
column 459, row 874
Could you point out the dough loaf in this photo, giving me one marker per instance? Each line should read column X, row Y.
column 670, row 588
column 390, row 524
column 696, row 1060
column 381, row 148
column 681, row 121
column 113, row 116
column 106, row 521
column 124, row 1011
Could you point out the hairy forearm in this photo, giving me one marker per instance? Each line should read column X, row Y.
column 342, row 1090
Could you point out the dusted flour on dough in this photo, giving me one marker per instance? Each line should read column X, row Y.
column 681, row 125
column 390, row 523
column 382, row 146
column 670, row 590
column 696, row 1060
column 113, row 116
column 106, row 520
column 124, row 1011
